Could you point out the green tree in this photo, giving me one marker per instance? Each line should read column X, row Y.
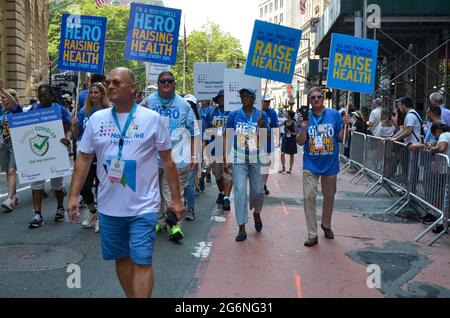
column 220, row 47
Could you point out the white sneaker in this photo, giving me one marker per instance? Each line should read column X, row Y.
column 8, row 204
column 97, row 226
column 89, row 222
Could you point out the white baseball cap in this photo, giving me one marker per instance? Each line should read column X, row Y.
column 267, row 98
column 190, row 98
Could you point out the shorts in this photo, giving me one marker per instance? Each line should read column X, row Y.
column 219, row 172
column 128, row 237
column 57, row 184
column 7, row 159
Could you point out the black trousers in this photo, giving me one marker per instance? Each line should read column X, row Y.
column 86, row 191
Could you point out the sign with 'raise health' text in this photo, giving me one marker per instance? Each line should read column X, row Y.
column 273, row 52
column 153, row 34
column 82, row 44
column 353, row 63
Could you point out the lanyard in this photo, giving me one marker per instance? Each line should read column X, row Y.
column 249, row 121
column 125, row 128
column 318, row 121
column 167, row 105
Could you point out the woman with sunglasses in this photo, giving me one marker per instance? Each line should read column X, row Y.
column 320, row 136
column 11, row 105
column 96, row 100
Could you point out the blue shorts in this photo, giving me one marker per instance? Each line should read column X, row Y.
column 128, row 237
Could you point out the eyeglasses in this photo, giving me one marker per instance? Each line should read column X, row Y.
column 316, row 97
column 166, row 81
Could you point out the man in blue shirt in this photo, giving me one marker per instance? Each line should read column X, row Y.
column 179, row 119
column 320, row 136
column 215, row 125
column 244, row 125
column 46, row 97
column 272, row 134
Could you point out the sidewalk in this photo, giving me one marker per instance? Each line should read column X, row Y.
column 274, row 263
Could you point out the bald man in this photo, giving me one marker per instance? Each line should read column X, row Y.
column 126, row 140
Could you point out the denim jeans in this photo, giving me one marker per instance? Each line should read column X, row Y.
column 189, row 191
column 241, row 173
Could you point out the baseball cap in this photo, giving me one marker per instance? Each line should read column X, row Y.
column 267, row 98
column 219, row 94
column 248, row 90
column 190, row 98
column 357, row 114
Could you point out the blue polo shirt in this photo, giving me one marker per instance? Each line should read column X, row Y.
column 321, row 150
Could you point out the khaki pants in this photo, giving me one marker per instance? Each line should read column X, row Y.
column 310, row 189
column 165, row 193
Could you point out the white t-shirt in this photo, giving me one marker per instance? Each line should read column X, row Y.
column 139, row 192
column 411, row 120
column 383, row 131
column 445, row 137
column 374, row 117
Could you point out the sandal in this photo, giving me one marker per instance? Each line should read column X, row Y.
column 282, row 170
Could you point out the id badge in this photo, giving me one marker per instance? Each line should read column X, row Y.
column 288, row 135
column 116, row 170
column 322, row 129
column 252, row 145
column 219, row 131
column 166, row 121
column 318, row 143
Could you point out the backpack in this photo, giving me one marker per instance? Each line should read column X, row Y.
column 422, row 132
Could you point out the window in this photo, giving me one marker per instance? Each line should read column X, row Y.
column 271, row 7
column 276, row 5
column 281, row 17
column 281, row 4
column 265, row 9
column 261, row 12
column 275, row 19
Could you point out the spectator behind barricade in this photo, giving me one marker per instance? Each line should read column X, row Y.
column 412, row 130
column 97, row 99
column 11, row 105
column 359, row 125
column 375, row 115
column 434, row 114
column 95, row 78
column 179, row 118
column 437, row 99
column 345, row 116
column 442, row 133
column 385, row 127
column 398, row 117
column 320, row 136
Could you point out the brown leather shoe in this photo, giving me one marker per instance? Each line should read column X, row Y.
column 328, row 232
column 311, row 241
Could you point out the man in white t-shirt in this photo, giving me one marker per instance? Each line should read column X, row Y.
column 375, row 115
column 126, row 140
column 412, row 127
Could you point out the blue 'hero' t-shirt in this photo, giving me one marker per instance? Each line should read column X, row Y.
column 322, row 158
column 245, row 128
column 180, row 121
column 215, row 119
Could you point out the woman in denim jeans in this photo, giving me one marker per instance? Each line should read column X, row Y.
column 244, row 124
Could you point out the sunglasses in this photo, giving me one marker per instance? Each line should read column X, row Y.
column 166, row 81
column 316, row 97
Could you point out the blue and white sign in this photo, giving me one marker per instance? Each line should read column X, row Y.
column 353, row 63
column 234, row 81
column 208, row 79
column 82, row 44
column 153, row 34
column 273, row 52
column 36, row 139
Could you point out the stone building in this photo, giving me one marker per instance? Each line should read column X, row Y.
column 23, row 45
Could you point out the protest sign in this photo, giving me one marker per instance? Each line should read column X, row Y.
column 234, row 81
column 208, row 79
column 36, row 140
column 273, row 52
column 153, row 34
column 154, row 69
column 82, row 44
column 353, row 63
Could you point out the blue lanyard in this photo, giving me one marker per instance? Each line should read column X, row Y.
column 125, row 128
column 168, row 104
column 318, row 121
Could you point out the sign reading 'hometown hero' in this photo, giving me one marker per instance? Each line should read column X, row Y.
column 353, row 63
column 273, row 52
column 36, row 139
column 153, row 34
column 82, row 44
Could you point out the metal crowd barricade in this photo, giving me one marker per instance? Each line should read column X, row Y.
column 395, row 171
column 357, row 145
column 428, row 183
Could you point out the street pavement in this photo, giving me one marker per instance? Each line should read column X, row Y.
column 209, row 263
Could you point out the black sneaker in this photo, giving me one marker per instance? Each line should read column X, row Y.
column 266, row 191
column 220, row 198
column 201, row 185
column 36, row 222
column 226, row 205
column 208, row 178
column 59, row 216
column 429, row 219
